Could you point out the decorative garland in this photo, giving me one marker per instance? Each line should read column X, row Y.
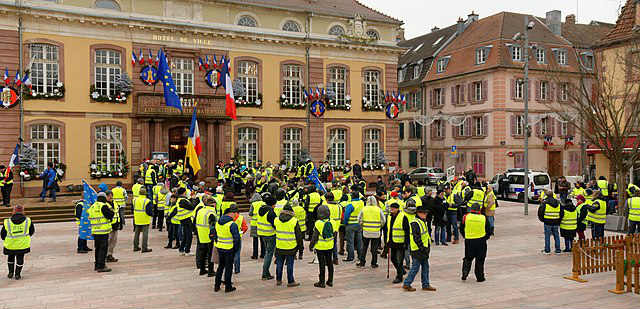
column 97, row 172
column 57, row 92
column 284, row 103
column 119, row 98
column 335, row 106
column 368, row 106
column 373, row 167
column 242, row 102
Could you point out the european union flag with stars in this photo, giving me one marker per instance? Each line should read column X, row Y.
column 171, row 97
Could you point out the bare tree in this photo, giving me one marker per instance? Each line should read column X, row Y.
column 602, row 104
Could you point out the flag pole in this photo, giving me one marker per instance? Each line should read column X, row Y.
column 20, row 63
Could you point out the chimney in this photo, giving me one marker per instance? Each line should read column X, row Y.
column 460, row 26
column 570, row 19
column 554, row 21
column 473, row 17
column 434, row 29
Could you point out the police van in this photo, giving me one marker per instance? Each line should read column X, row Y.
column 538, row 181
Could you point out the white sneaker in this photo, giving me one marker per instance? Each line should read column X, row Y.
column 544, row 252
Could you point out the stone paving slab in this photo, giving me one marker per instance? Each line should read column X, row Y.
column 517, row 276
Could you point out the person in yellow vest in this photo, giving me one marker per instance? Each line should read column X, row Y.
column 631, row 188
column 397, row 238
column 117, row 224
column 6, row 185
column 420, row 246
column 490, row 205
column 597, row 214
column 603, row 186
column 301, row 216
column 267, row 232
column 452, row 214
column 142, row 213
column 382, row 204
column 281, row 198
column 84, row 228
column 335, row 215
column 16, row 236
column 243, row 228
column 476, row 230
column 568, row 224
column 100, row 216
column 205, row 221
column 173, row 224
column 353, row 230
column 255, row 204
column 550, row 213
column 226, row 237
column 371, row 219
column 150, row 180
column 184, row 214
column 633, row 211
column 409, row 211
column 578, row 190
column 179, row 169
column 288, row 240
column 311, row 201
column 160, row 193
column 421, row 190
column 323, row 242
column 227, row 201
column 135, row 189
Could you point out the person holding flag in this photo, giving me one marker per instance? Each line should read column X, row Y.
column 6, row 177
column 100, row 217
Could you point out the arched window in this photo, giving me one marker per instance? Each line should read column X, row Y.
column 336, row 30
column 247, row 21
column 107, row 69
column 108, row 147
column 107, row 4
column 248, row 145
column 292, row 26
column 373, row 34
column 45, row 140
column 338, row 147
column 248, row 73
column 371, row 146
column 45, row 67
column 291, row 145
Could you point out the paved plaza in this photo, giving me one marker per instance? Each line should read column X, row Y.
column 517, row 276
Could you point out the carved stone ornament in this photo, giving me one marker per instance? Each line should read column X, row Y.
column 356, row 31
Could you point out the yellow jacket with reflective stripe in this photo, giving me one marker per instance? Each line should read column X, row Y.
column 314, row 200
column 357, row 208
column 254, row 215
column 323, row 243
column 135, row 190
column 182, row 213
column 474, row 226
column 552, row 213
column 301, row 215
column 335, row 214
column 119, row 196
column 225, row 238
column 424, row 235
column 569, row 220
column 159, row 199
column 478, row 197
column 264, row 227
column 18, row 237
column 99, row 223
column 396, row 232
column 286, row 234
column 140, row 216
column 600, row 215
column 371, row 219
column 603, row 185
column 203, row 226
column 634, row 209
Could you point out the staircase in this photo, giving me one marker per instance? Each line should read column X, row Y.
column 64, row 209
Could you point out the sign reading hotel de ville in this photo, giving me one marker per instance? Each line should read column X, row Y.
column 183, row 40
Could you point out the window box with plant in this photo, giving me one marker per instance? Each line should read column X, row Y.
column 99, row 170
column 243, row 102
column 368, row 105
column 51, row 93
column 291, row 104
column 119, row 94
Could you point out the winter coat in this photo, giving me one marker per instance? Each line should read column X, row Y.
column 568, row 233
column 234, row 233
column 17, row 219
column 285, row 216
column 541, row 209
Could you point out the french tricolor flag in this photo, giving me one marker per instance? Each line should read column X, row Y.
column 5, row 77
column 200, row 63
column 206, row 62
column 134, row 58
column 141, row 59
column 26, row 80
column 14, row 159
column 17, row 80
column 230, row 108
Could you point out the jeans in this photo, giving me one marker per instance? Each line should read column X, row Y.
column 567, row 243
column 257, row 241
column 224, row 267
column 335, row 246
column 597, row 230
column 353, row 235
column 634, row 227
column 52, row 193
column 440, row 234
column 6, row 194
column 149, row 189
column 492, row 222
column 324, row 258
column 424, row 274
column 236, row 259
column 375, row 243
column 100, row 244
column 548, row 231
column 173, row 231
column 453, row 223
column 270, row 245
column 187, row 236
column 144, row 229
column 203, row 256
column 280, row 260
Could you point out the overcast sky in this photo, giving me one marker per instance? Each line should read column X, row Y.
column 420, row 16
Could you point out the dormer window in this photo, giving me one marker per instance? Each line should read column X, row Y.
column 441, row 66
column 481, row 56
column 540, row 56
column 516, row 53
column 107, row 4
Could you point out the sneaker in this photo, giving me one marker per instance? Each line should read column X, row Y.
column 182, row 254
column 111, row 259
column 267, row 277
column 335, row 262
column 189, row 254
column 216, row 288
column 203, row 272
column 397, row 280
column 558, row 252
column 176, row 247
column 408, row 288
column 361, row 265
column 347, row 260
column 293, row 284
column 428, row 288
column 545, row 252
column 444, row 244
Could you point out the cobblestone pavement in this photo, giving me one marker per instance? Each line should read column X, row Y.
column 517, row 276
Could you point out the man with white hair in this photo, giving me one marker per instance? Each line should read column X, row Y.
column 371, row 220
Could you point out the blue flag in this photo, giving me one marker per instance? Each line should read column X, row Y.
column 313, row 177
column 88, row 193
column 84, row 225
column 171, row 97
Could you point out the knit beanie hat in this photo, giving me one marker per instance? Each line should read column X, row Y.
column 18, row 209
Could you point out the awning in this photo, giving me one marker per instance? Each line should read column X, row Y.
column 628, row 146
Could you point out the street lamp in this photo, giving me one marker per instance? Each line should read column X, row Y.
column 525, row 49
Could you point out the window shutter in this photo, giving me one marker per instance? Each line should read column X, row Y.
column 538, row 83
column 485, row 125
column 461, row 94
column 454, row 131
column 555, row 55
column 558, row 92
column 482, row 164
column 551, row 92
column 470, row 92
column 538, row 130
column 433, row 130
column 551, row 124
column 476, row 60
column 443, row 95
column 571, row 130
column 431, row 100
column 485, row 90
column 511, row 52
column 418, row 130
column 453, row 96
column 513, row 125
column 467, row 127
column 443, row 129
column 401, row 130
column 513, row 89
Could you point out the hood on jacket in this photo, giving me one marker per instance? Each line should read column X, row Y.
column 225, row 219
column 255, row 198
column 18, row 218
column 323, row 212
column 552, row 202
column 286, row 215
column 264, row 210
column 568, row 205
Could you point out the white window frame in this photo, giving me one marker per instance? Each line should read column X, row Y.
column 371, row 145
column 247, row 21
column 45, row 139
column 478, row 126
column 109, row 137
column 107, row 69
column 441, row 65
column 291, row 145
column 372, row 86
column 182, row 73
column 45, row 67
column 477, row 91
column 292, row 26
column 248, row 74
column 416, row 71
column 519, row 91
column 519, row 125
column 544, row 90
column 540, row 55
column 338, row 151
column 400, row 75
column 517, row 53
column 543, row 126
column 338, row 83
column 481, row 55
column 437, row 93
column 564, row 92
column 292, row 83
column 562, row 57
column 564, row 128
column 462, row 129
column 438, row 126
column 248, row 147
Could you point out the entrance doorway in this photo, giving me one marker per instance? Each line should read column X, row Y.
column 177, row 143
column 555, row 164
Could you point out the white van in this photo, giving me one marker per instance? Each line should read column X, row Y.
column 538, row 181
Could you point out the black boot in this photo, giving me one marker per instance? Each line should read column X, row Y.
column 212, row 271
column 466, row 268
column 18, row 271
column 10, row 275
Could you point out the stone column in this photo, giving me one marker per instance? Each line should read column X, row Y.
column 220, row 142
column 145, row 142
column 158, row 138
column 210, row 147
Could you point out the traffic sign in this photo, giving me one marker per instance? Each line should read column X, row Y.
column 454, row 149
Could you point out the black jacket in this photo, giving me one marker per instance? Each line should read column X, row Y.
column 553, row 203
column 438, row 211
column 17, row 219
column 423, row 251
column 271, row 215
column 234, row 233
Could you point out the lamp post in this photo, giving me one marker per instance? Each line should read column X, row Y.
column 525, row 87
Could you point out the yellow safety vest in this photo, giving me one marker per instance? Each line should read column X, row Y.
column 395, row 200
column 264, row 227
column 239, row 221
column 634, row 209
column 417, row 199
column 421, row 191
column 371, row 219
column 600, row 216
column 148, row 176
column 357, row 208
column 301, row 215
column 182, row 213
column 323, row 243
column 179, row 169
column 451, row 202
column 579, row 210
column 335, row 214
column 395, row 232
column 337, row 195
column 579, row 191
column 174, row 219
column 286, row 234
column 135, row 190
column 159, row 199
column 118, row 196
column 314, row 200
column 474, row 226
column 203, row 226
column 116, row 213
column 551, row 213
column 224, row 206
column 140, row 216
column 279, row 206
column 6, row 175
column 225, row 238
column 424, row 235
column 631, row 185
column 18, row 237
column 99, row 223
column 254, row 216
column 569, row 220
column 603, row 185
column 478, row 197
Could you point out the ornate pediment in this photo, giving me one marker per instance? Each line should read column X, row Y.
column 357, row 30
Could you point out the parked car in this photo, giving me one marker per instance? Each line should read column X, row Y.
column 430, row 175
column 538, row 181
